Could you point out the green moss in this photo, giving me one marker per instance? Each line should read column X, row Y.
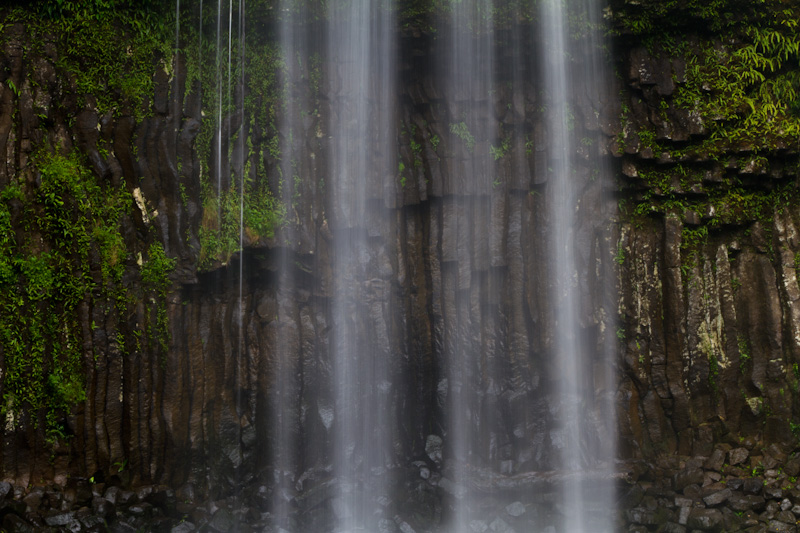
column 266, row 95
column 744, row 353
column 742, row 83
column 106, row 47
column 461, row 130
column 155, row 271
column 665, row 18
column 220, row 229
column 46, row 275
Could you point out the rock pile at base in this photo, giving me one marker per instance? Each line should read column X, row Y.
column 736, row 488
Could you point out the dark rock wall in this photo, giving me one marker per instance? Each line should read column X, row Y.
column 707, row 346
column 710, row 326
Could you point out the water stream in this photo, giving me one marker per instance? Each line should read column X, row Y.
column 578, row 393
column 497, row 423
column 360, row 66
column 467, row 55
column 284, row 409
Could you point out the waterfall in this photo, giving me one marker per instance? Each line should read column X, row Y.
column 578, row 396
column 360, row 69
column 176, row 110
column 284, row 406
column 240, row 355
column 218, row 68
column 524, row 394
column 469, row 330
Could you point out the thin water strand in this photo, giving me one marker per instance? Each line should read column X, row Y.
column 360, row 55
column 576, row 391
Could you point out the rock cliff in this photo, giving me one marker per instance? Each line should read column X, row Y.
column 689, row 261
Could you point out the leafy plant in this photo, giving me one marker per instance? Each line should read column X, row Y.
column 744, row 353
column 498, row 152
column 155, row 273
column 461, row 131
column 619, row 257
column 107, row 48
column 46, row 274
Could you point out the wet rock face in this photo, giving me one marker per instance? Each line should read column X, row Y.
column 710, row 339
column 707, row 334
column 430, row 275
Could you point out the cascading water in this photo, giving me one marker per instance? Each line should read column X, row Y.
column 585, row 460
column 218, row 69
column 469, row 331
column 294, row 45
column 502, row 426
column 360, row 69
column 240, row 148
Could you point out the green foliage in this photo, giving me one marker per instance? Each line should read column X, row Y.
column 220, row 235
column 268, row 92
column 742, row 78
column 619, row 257
column 107, row 48
column 744, row 353
column 416, row 150
column 461, row 131
column 97, row 9
column 747, row 92
column 46, row 275
column 155, row 271
column 13, row 87
column 400, row 169
column 664, row 18
column 742, row 85
column 498, row 152
column 713, row 373
column 692, row 238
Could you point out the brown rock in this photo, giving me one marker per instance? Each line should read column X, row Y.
column 738, row 456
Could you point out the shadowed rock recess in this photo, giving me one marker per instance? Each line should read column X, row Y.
column 156, row 375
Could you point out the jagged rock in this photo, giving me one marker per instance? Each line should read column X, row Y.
column 34, row 499
column 112, row 494
column 718, row 497
column 57, row 518
column 683, row 515
column 516, row 509
column 223, row 521
column 773, row 491
column 641, row 516
column 734, row 483
column 5, row 489
column 738, row 456
column 693, row 476
column 694, row 492
column 715, row 461
column 14, row 524
column 776, row 526
column 706, row 519
column 478, row 526
column 499, row 525
column 753, row 485
column 745, row 502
